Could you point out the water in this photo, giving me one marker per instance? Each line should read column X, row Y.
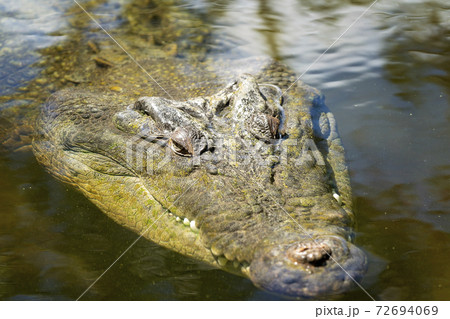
column 386, row 80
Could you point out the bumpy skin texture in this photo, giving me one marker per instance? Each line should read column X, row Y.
column 252, row 174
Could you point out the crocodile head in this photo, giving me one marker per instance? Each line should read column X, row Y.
column 247, row 179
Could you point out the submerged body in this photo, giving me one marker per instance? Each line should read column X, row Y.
column 230, row 171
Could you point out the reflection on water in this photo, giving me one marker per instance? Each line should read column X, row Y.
column 387, row 82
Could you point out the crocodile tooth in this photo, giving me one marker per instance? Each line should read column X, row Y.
column 245, row 270
column 178, row 219
column 236, row 264
column 193, row 226
column 337, row 198
column 228, row 255
column 222, row 261
column 186, row 221
column 215, row 251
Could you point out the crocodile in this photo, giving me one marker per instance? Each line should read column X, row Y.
column 237, row 165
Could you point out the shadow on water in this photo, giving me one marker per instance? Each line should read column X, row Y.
column 386, row 81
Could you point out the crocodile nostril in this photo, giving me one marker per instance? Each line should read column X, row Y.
column 309, row 252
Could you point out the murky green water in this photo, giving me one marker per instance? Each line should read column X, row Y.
column 386, row 80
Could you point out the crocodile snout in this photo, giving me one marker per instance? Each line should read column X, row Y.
column 308, row 268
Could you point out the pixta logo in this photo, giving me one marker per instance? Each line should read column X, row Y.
column 146, row 155
column 143, row 154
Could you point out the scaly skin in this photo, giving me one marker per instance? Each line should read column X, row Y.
column 232, row 173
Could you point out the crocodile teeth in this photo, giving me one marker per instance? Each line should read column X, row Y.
column 186, row 222
column 245, row 270
column 193, row 226
column 222, row 261
column 215, row 251
column 337, row 198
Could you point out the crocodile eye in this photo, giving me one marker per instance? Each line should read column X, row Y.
column 264, row 126
column 273, row 123
column 181, row 143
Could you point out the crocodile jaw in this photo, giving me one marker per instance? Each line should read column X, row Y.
column 284, row 267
